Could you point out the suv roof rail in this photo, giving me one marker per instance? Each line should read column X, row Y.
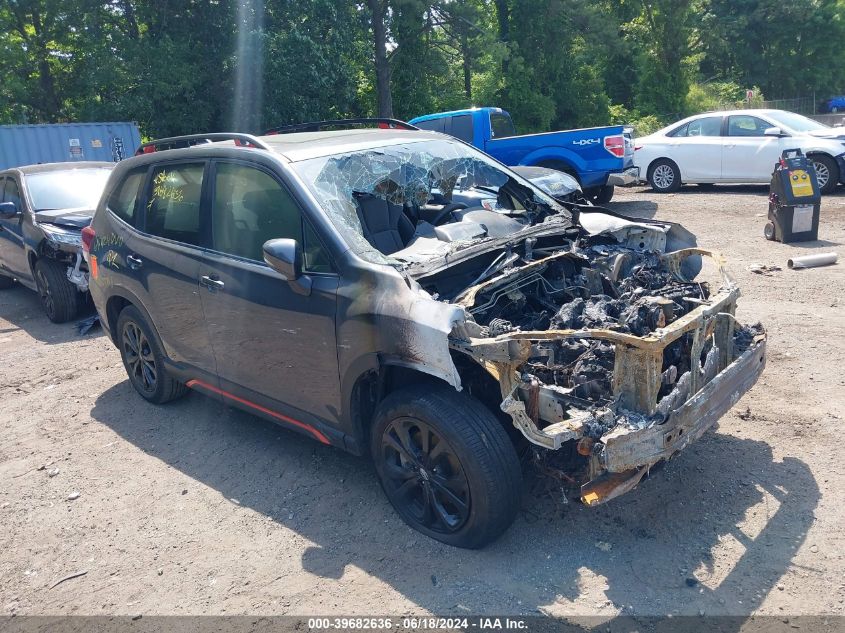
column 316, row 126
column 189, row 140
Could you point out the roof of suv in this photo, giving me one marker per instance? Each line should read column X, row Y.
column 298, row 146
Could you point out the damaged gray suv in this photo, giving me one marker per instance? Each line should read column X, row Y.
column 397, row 293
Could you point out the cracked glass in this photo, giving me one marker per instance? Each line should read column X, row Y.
column 406, row 173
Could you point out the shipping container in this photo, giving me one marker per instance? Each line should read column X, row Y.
column 66, row 142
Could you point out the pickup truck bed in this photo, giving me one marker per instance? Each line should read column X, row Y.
column 600, row 158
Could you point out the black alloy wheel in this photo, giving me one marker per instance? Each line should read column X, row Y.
column 45, row 293
column 423, row 477
column 139, row 358
column 446, row 464
column 143, row 359
column 59, row 297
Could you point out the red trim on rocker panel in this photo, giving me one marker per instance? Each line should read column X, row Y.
column 319, row 436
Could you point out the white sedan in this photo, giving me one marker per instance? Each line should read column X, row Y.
column 739, row 146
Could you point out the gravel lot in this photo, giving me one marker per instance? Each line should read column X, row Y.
column 194, row 508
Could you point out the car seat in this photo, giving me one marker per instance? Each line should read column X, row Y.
column 386, row 225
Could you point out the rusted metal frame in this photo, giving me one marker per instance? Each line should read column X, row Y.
column 699, row 340
column 626, row 449
column 637, row 377
column 638, row 360
column 725, row 327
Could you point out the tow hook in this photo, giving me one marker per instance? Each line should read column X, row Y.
column 610, row 485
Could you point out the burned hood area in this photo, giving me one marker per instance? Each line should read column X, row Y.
column 555, row 284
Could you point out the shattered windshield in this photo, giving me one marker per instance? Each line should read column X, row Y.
column 381, row 194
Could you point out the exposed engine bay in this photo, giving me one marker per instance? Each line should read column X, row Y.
column 600, row 339
column 606, row 287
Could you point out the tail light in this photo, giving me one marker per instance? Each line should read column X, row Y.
column 88, row 235
column 615, row 145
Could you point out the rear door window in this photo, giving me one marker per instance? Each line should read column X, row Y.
column 708, row 126
column 461, row 127
column 501, row 126
column 173, row 203
column 123, row 201
column 432, row 125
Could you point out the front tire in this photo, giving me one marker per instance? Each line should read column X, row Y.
column 827, row 173
column 664, row 176
column 143, row 360
column 59, row 297
column 446, row 465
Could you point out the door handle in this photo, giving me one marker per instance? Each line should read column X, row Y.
column 134, row 262
column 212, row 283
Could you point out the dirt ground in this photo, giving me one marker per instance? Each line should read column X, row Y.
column 193, row 508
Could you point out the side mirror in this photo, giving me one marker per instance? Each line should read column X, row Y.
column 8, row 210
column 285, row 257
column 774, row 131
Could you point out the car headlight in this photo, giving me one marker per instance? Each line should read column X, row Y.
column 62, row 236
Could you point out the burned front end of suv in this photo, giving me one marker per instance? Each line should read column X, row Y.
column 609, row 358
column 608, row 343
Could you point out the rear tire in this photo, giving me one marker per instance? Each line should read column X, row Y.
column 664, row 176
column 604, row 195
column 143, row 360
column 446, row 465
column 827, row 173
column 6, row 282
column 59, row 297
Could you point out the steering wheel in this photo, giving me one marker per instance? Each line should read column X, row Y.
column 446, row 211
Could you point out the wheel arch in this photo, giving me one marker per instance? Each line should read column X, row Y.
column 378, row 378
column 116, row 303
column 823, row 154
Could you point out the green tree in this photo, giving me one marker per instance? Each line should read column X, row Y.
column 787, row 47
column 663, row 34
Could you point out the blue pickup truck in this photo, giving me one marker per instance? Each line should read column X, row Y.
column 600, row 157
